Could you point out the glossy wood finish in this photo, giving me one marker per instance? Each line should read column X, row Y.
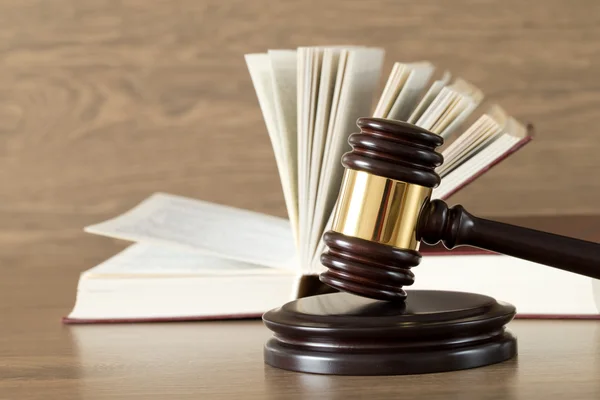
column 456, row 227
column 432, row 331
column 366, row 268
column 395, row 150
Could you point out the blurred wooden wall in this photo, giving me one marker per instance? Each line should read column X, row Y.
column 103, row 102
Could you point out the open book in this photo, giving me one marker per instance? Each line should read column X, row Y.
column 199, row 260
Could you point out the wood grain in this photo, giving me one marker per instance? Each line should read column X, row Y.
column 103, row 102
column 223, row 360
column 41, row 358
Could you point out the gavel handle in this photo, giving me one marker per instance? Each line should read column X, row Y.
column 456, row 227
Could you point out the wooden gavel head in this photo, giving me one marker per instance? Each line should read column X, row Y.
column 387, row 185
column 384, row 211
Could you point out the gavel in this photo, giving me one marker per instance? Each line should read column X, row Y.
column 384, row 212
column 370, row 325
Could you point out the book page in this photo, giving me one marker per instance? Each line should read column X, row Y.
column 284, row 69
column 361, row 76
column 469, row 149
column 310, row 70
column 467, row 89
column 390, row 86
column 478, row 136
column 323, row 113
column 524, row 284
column 149, row 260
column 394, row 85
column 450, row 108
column 489, row 140
column 261, row 75
column 472, row 96
column 335, row 101
column 206, row 227
column 304, row 80
column 431, row 94
column 259, row 68
column 479, row 128
column 412, row 90
column 317, row 221
column 474, row 165
column 315, row 267
column 436, row 109
column 449, row 114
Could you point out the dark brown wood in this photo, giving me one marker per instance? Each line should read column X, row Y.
column 395, row 149
column 456, row 227
column 367, row 268
column 433, row 331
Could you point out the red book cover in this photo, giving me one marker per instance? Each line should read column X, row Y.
column 81, row 321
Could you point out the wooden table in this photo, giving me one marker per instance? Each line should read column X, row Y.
column 41, row 358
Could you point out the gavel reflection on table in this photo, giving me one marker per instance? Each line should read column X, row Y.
column 371, row 325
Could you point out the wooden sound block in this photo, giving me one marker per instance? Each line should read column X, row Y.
column 431, row 331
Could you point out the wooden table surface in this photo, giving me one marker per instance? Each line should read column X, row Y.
column 41, row 358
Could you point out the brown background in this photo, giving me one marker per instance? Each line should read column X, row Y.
column 105, row 102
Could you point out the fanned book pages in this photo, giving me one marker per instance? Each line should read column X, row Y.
column 333, row 87
column 209, row 260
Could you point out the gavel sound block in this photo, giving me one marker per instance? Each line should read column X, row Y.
column 371, row 325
